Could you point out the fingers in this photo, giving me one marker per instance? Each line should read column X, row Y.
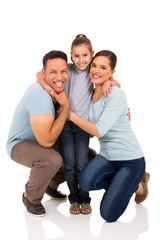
column 129, row 114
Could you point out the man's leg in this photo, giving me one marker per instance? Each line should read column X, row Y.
column 44, row 164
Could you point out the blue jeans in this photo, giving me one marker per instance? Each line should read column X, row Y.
column 120, row 179
column 74, row 143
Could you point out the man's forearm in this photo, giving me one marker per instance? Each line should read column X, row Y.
column 57, row 127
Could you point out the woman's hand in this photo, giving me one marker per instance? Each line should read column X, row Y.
column 129, row 114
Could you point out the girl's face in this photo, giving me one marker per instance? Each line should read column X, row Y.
column 81, row 56
column 100, row 70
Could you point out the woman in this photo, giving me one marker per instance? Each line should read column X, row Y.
column 120, row 165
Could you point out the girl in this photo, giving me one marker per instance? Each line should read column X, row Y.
column 120, row 165
column 73, row 140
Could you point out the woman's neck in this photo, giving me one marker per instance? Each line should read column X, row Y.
column 97, row 94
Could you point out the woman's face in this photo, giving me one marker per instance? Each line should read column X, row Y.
column 100, row 70
column 81, row 57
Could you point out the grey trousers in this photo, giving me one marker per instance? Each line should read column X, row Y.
column 46, row 167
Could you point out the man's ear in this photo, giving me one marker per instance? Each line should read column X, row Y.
column 43, row 72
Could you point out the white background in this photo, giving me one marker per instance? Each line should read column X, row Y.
column 28, row 30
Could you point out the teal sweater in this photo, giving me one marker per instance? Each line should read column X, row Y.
column 117, row 139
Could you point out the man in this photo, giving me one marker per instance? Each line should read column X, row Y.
column 34, row 131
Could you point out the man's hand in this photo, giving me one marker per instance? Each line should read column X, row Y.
column 45, row 128
column 62, row 99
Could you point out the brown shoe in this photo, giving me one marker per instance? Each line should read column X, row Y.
column 144, row 182
column 34, row 209
column 55, row 194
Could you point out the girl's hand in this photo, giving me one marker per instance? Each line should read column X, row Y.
column 106, row 88
column 41, row 80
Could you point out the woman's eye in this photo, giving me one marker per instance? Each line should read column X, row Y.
column 93, row 65
column 103, row 68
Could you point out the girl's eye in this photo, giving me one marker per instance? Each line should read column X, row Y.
column 76, row 56
column 85, row 55
column 93, row 65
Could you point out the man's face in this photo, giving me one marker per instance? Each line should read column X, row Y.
column 56, row 74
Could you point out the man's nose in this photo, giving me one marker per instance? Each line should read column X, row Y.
column 59, row 76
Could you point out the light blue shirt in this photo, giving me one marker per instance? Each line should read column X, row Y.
column 36, row 101
column 117, row 139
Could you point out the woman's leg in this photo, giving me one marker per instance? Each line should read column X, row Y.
column 96, row 174
column 121, row 188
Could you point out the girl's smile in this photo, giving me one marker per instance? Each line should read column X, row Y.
column 81, row 56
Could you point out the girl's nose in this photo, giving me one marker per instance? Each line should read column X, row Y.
column 81, row 59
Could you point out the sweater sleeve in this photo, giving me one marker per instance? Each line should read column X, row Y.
column 114, row 107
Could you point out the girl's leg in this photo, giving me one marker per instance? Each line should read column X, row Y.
column 81, row 155
column 121, row 188
column 66, row 140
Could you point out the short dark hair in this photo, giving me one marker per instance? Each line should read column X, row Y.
column 53, row 55
column 110, row 55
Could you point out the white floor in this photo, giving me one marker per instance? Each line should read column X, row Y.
column 138, row 221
